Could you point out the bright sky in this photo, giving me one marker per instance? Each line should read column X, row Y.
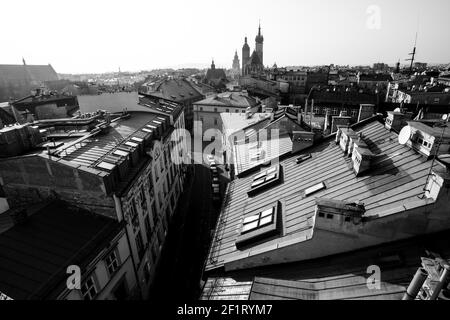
column 98, row 36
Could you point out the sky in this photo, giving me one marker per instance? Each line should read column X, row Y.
column 93, row 36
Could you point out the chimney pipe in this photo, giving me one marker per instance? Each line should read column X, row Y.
column 445, row 275
column 416, row 284
column 311, row 114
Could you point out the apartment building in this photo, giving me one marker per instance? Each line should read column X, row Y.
column 118, row 165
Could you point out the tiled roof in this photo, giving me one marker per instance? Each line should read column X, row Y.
column 177, row 90
column 213, row 74
column 397, row 176
column 34, row 256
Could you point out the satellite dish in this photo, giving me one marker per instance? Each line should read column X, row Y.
column 397, row 110
column 404, row 135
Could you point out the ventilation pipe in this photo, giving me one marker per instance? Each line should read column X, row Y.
column 416, row 284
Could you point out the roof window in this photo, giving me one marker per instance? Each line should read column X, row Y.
column 265, row 179
column 259, row 225
column 315, row 188
column 303, row 158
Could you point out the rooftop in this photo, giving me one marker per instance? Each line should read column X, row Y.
column 178, row 90
column 14, row 72
column 396, row 178
column 342, row 277
column 229, row 99
column 122, row 135
column 233, row 122
column 34, row 256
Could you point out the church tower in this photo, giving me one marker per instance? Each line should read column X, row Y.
column 236, row 64
column 259, row 44
column 245, row 56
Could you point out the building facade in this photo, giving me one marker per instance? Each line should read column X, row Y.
column 127, row 173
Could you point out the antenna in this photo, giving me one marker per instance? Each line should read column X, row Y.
column 413, row 53
column 404, row 135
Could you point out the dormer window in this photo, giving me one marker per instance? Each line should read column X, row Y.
column 265, row 179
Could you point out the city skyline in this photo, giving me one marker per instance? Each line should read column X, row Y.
column 100, row 37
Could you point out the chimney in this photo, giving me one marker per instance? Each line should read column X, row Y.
column 361, row 158
column 396, row 119
column 438, row 183
column 345, row 134
column 339, row 121
column 302, row 140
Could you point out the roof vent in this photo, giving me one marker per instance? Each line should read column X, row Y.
column 397, row 119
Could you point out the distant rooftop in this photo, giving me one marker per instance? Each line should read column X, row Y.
column 229, row 99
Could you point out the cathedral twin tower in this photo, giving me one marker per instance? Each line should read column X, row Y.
column 253, row 64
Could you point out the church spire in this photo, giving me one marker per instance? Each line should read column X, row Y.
column 213, row 66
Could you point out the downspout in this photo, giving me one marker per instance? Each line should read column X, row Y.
column 118, row 204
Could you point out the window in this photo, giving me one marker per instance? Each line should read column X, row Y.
column 354, row 113
column 215, row 121
column 265, row 178
column 236, row 110
column 112, row 263
column 329, row 216
column 316, row 188
column 228, row 110
column 201, row 108
column 303, row 158
column 257, row 155
column 259, row 225
column 258, row 220
column 89, row 289
column 139, row 244
column 215, row 109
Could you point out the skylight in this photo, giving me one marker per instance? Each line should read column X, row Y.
column 265, row 178
column 106, row 165
column 131, row 144
column 314, row 189
column 120, row 153
column 260, row 224
column 258, row 220
column 303, row 158
column 137, row 139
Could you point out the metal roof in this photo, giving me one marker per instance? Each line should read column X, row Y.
column 397, row 176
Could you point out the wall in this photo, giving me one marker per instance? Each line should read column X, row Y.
column 36, row 178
